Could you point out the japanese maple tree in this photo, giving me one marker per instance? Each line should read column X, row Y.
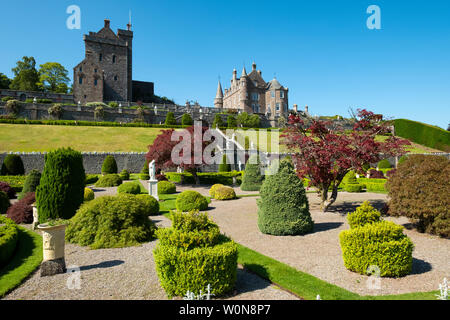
column 325, row 152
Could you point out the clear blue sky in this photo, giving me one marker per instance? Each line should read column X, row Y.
column 321, row 50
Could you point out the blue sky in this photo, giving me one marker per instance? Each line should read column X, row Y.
column 322, row 50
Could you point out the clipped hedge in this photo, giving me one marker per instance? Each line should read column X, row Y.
column 31, row 183
column 9, row 236
column 16, row 182
column 151, row 205
column 109, row 180
column 224, row 193
column 129, row 188
column 12, row 166
column 252, row 178
column 384, row 164
column 208, row 178
column 166, row 187
column 124, row 175
column 224, row 166
column 212, row 190
column 363, row 215
column 4, row 202
column 91, row 179
column 191, row 200
column 353, row 187
column 89, row 194
column 109, row 165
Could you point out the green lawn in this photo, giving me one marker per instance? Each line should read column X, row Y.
column 39, row 138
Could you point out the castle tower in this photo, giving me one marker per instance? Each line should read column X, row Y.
column 218, row 101
column 243, row 96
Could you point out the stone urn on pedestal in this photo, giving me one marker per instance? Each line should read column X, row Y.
column 53, row 244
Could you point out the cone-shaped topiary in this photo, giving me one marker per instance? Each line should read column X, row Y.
column 12, row 166
column 283, row 208
column 61, row 190
column 109, row 165
column 170, row 119
column 124, row 175
column 224, row 166
column 186, row 120
column 31, row 183
column 252, row 178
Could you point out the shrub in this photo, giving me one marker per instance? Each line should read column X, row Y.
column 109, row 180
column 231, row 121
column 56, row 111
column 283, row 208
column 419, row 190
column 363, row 215
column 186, row 120
column 61, row 189
column 212, row 191
column 31, row 183
column 375, row 187
column 356, row 187
column 224, row 193
column 384, row 164
column 191, row 200
column 89, row 194
column 111, row 222
column 144, row 175
column 13, row 106
column 166, row 187
column 192, row 255
column 113, row 104
column 170, row 119
column 151, row 205
column 401, row 160
column 349, row 178
column 99, row 112
column 391, row 173
column 6, row 188
column 16, row 182
column 91, row 179
column 9, row 235
column 124, row 175
column 380, row 244
column 252, row 179
column 4, row 202
column 224, row 166
column 109, row 165
column 12, row 166
column 130, row 188
column 161, row 177
column 374, row 174
column 22, row 211
column 6, row 99
column 217, row 121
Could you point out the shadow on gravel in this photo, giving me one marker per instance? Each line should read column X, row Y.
column 420, row 266
column 345, row 207
column 247, row 281
column 325, row 226
column 103, row 265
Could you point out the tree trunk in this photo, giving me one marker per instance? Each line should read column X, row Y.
column 196, row 178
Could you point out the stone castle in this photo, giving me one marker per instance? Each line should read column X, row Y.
column 252, row 94
column 106, row 72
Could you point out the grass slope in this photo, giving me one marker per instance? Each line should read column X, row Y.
column 424, row 134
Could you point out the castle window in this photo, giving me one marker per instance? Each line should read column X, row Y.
column 95, row 70
column 115, row 78
column 95, row 82
column 80, row 80
column 278, row 107
column 281, row 94
column 114, row 58
column 255, row 96
column 100, row 57
column 81, row 69
column 273, row 94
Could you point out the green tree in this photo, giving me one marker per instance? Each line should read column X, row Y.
column 186, row 120
column 170, row 119
column 26, row 77
column 243, row 119
column 252, row 178
column 53, row 77
column 231, row 121
column 5, row 82
column 217, row 121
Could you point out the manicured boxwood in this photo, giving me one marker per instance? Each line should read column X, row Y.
column 9, row 236
column 31, row 183
column 22, row 211
column 111, row 222
column 144, row 174
column 363, row 215
column 4, row 202
column 384, row 164
column 375, row 187
column 124, row 175
column 166, row 187
column 252, row 179
column 224, row 166
column 186, row 120
column 130, row 188
column 213, row 189
column 208, row 178
column 12, row 166
column 224, row 193
column 170, row 119
column 109, row 165
column 6, row 188
column 353, row 187
column 16, row 182
column 151, row 205
column 109, row 180
column 91, row 179
column 89, row 194
column 191, row 200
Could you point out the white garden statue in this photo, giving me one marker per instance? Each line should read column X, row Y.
column 152, row 183
column 152, row 170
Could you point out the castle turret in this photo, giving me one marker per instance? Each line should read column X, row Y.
column 218, row 101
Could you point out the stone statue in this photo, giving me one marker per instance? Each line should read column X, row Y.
column 152, row 170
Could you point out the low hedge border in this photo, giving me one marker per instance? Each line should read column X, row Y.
column 209, row 178
column 16, row 182
column 9, row 236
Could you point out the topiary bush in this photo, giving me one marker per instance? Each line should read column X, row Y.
column 124, row 175
column 224, row 193
column 283, row 208
column 9, row 236
column 144, row 175
column 22, row 211
column 191, row 200
column 384, row 164
column 109, row 165
column 355, row 187
column 170, row 119
column 61, row 189
column 6, row 188
column 186, row 120
column 213, row 189
column 161, row 177
column 380, row 244
column 401, row 160
column 252, row 179
column 224, row 166
column 91, row 179
column 89, row 194
column 111, row 222
column 130, row 188
column 420, row 191
column 12, row 166
column 363, row 215
column 109, row 180
column 4, row 202
column 192, row 254
column 31, row 183
column 166, row 187
column 151, row 205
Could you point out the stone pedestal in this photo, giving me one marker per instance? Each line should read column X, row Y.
column 35, row 217
column 53, row 244
column 153, row 189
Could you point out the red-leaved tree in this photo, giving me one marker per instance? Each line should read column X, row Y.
column 161, row 150
column 324, row 153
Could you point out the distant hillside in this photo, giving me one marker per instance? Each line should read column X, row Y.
column 422, row 133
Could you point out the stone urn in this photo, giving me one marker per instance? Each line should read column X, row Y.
column 53, row 244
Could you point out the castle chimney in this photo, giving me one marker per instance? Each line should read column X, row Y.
column 306, row 109
column 295, row 108
column 254, row 66
column 260, row 73
column 107, row 23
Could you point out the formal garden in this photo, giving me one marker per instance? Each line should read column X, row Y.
column 333, row 220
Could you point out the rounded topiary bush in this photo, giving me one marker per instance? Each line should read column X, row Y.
column 252, row 179
column 6, row 188
column 12, row 166
column 224, row 193
column 151, row 205
column 363, row 215
column 61, row 189
column 420, row 191
column 213, row 189
column 4, row 202
column 192, row 254
column 9, row 236
column 89, row 194
column 111, row 222
column 283, row 208
column 91, row 179
column 109, row 180
column 191, row 200
column 31, row 183
column 381, row 244
column 22, row 211
column 384, row 164
column 353, row 187
column 130, row 188
column 144, row 175
column 166, row 187
column 124, row 175
column 170, row 119
column 186, row 120
column 109, row 165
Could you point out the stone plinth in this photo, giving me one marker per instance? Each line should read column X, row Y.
column 53, row 245
column 153, row 189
